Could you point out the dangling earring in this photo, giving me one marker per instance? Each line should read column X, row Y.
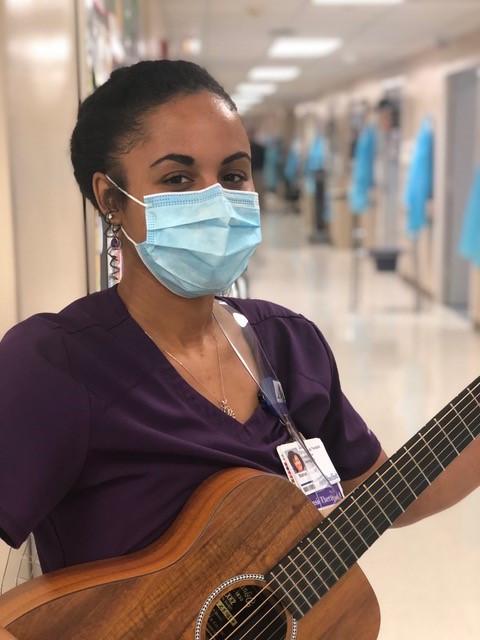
column 114, row 243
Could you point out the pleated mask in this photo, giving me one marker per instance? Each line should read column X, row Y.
column 198, row 242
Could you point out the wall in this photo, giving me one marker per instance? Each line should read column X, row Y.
column 8, row 301
column 42, row 98
column 423, row 79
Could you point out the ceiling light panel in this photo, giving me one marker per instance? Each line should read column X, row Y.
column 303, row 47
column 274, row 74
column 254, row 89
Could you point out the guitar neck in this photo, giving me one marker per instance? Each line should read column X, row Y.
column 319, row 560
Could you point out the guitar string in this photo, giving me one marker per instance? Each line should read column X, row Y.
column 277, row 604
column 425, row 447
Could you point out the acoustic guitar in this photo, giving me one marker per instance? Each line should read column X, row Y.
column 249, row 558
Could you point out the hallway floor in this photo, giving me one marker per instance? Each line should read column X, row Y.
column 398, row 368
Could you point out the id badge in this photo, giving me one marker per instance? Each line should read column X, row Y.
column 322, row 488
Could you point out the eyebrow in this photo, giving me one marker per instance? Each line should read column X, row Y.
column 189, row 161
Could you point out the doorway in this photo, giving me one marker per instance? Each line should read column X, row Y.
column 462, row 127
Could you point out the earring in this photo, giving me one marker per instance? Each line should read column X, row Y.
column 112, row 234
column 113, row 230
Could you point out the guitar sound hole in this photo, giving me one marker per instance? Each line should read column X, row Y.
column 247, row 613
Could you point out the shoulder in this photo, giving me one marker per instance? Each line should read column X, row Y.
column 265, row 316
column 281, row 328
column 41, row 337
column 259, row 311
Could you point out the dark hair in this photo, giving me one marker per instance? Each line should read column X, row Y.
column 110, row 120
column 293, row 454
column 387, row 104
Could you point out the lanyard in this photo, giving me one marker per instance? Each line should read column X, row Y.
column 271, row 393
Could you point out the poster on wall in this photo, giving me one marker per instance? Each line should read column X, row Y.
column 112, row 40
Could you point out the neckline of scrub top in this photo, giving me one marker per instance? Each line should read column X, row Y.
column 179, row 382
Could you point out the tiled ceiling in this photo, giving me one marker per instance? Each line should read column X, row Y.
column 236, row 35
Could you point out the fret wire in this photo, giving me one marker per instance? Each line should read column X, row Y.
column 463, row 421
column 303, row 590
column 401, row 476
column 335, row 552
column 443, row 434
column 443, row 431
column 310, row 542
column 287, row 593
column 323, row 555
column 347, row 546
column 415, row 463
column 380, row 507
column 314, row 570
column 474, row 397
column 329, row 558
column 296, row 587
column 436, row 458
column 352, row 531
column 388, row 489
column 355, row 528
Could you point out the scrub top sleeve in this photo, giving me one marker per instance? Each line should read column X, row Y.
column 352, row 446
column 44, row 427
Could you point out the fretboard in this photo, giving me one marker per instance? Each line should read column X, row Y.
column 314, row 566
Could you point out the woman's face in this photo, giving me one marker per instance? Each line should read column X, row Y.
column 297, row 463
column 190, row 143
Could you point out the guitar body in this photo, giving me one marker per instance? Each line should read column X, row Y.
column 205, row 568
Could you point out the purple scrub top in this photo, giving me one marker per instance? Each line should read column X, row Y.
column 102, row 441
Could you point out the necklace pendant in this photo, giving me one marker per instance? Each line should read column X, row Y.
column 226, row 409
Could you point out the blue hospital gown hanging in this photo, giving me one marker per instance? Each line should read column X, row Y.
column 363, row 170
column 470, row 240
column 419, row 189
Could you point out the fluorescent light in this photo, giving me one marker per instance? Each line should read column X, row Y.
column 303, row 47
column 352, row 3
column 254, row 89
column 241, row 100
column 274, row 74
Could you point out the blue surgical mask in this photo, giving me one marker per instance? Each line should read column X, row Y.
column 198, row 242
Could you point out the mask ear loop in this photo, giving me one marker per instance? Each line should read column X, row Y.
column 125, row 192
column 135, row 244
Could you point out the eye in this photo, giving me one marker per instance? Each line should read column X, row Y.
column 235, row 178
column 178, row 179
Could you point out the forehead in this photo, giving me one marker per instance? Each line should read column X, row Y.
column 197, row 125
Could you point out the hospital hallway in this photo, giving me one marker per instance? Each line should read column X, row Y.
column 398, row 368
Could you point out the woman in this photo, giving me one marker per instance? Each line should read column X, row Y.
column 115, row 409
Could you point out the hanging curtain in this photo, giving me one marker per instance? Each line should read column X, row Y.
column 363, row 170
column 419, row 188
column 470, row 240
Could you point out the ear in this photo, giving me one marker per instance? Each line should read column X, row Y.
column 106, row 195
